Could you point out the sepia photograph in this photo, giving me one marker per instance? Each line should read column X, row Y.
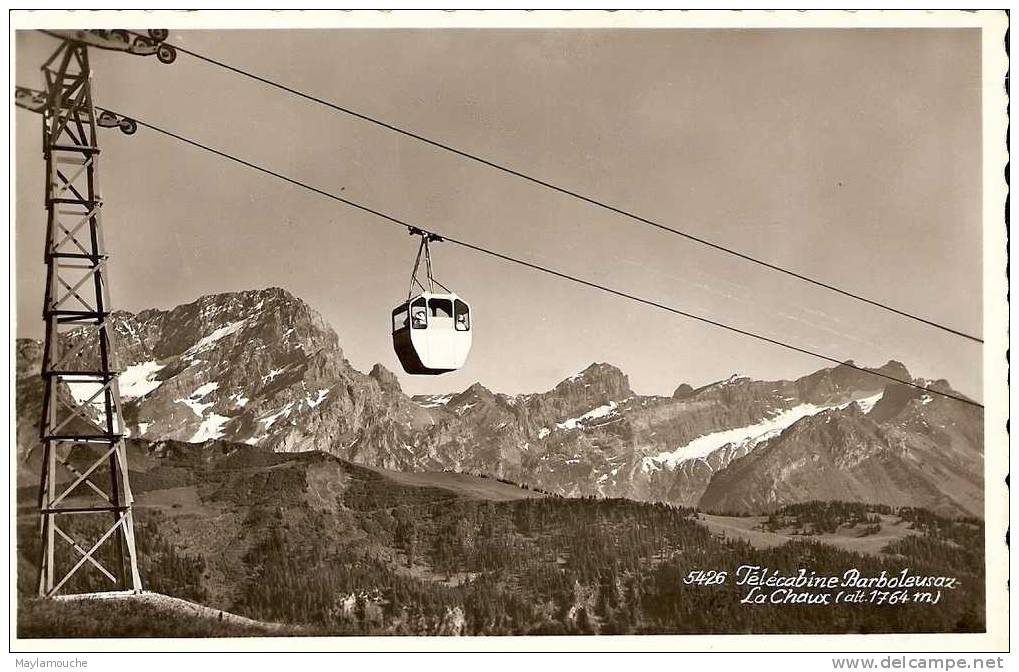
column 585, row 327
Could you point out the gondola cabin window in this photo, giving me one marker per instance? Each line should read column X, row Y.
column 400, row 318
column 440, row 313
column 419, row 314
column 461, row 315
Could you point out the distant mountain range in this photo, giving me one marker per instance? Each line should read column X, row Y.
column 262, row 368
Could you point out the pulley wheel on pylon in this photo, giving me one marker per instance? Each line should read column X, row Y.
column 166, row 54
column 128, row 126
column 159, row 34
column 107, row 119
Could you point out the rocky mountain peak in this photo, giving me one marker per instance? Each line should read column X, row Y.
column 847, row 379
column 224, row 323
column 684, row 391
column 850, row 375
column 599, row 379
column 847, row 436
column 243, row 366
column 895, row 369
column 385, row 378
column 472, row 395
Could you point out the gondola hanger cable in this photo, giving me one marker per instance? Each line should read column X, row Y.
column 591, row 200
column 417, row 230
column 425, row 252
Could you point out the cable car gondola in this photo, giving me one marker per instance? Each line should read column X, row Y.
column 432, row 329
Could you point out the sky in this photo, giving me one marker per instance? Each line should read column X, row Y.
column 851, row 156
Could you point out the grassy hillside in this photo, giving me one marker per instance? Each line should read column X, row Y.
column 146, row 615
column 466, row 485
column 873, row 529
column 336, row 548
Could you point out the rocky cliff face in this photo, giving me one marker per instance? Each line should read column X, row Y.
column 912, row 449
column 263, row 368
column 256, row 367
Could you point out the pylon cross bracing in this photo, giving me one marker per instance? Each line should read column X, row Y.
column 85, row 500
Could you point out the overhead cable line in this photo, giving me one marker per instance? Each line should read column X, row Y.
column 538, row 267
column 575, row 194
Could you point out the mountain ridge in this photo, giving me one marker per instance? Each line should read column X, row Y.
column 262, row 367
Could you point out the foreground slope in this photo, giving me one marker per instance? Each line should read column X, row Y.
column 143, row 615
column 333, row 547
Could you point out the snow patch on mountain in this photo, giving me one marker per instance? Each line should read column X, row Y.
column 271, row 376
column 83, row 389
column 207, row 342
column 867, row 403
column 194, row 401
column 136, row 380
column 128, row 329
column 650, row 465
column 593, row 414
column 751, row 435
column 269, row 420
column 204, row 390
column 211, row 428
column 434, row 401
column 322, row 394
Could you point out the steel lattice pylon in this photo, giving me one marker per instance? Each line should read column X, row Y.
column 84, row 491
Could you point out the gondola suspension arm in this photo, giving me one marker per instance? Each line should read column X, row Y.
column 425, row 252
